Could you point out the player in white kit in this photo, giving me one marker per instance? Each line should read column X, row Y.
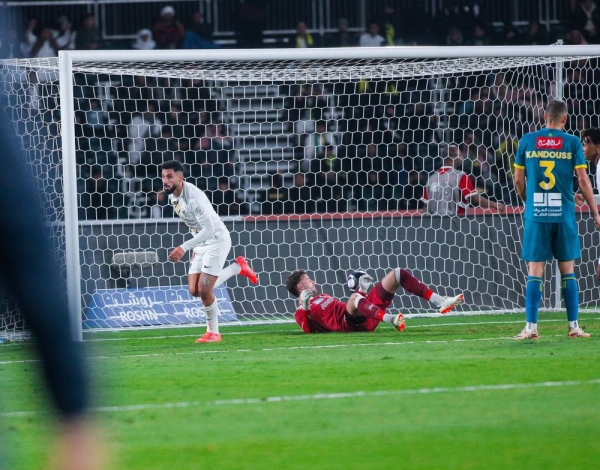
column 210, row 245
column 590, row 138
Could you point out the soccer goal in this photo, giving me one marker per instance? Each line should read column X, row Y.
column 316, row 159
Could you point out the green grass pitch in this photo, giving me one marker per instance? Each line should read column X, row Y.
column 447, row 393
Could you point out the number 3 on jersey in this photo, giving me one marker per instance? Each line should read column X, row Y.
column 549, row 166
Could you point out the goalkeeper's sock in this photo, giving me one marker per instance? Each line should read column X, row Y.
column 232, row 270
column 367, row 309
column 212, row 317
column 411, row 284
column 533, row 296
column 570, row 292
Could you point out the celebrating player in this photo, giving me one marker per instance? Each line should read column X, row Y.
column 365, row 308
column 544, row 166
column 210, row 245
column 590, row 138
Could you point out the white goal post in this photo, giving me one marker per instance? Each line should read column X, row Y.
column 315, row 158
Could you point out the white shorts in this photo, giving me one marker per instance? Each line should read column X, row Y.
column 210, row 257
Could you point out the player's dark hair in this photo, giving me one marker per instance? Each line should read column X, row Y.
column 591, row 135
column 555, row 110
column 292, row 281
column 171, row 165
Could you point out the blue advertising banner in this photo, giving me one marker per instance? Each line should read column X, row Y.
column 117, row 308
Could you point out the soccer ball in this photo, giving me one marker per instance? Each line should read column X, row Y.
column 353, row 278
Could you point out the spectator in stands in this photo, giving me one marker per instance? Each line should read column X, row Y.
column 505, row 161
column 455, row 37
column 88, row 35
column 32, row 29
column 215, row 139
column 100, row 194
column 484, row 171
column 143, row 125
column 214, row 159
column 390, row 26
column 250, row 22
column 65, row 35
column 96, row 120
column 316, row 144
column 535, row 35
column 479, row 36
column 389, row 126
column 224, row 199
column 586, row 20
column 450, row 190
column 45, row 45
column 372, row 190
column 178, row 121
column 575, row 38
column 371, row 38
column 11, row 46
column 410, row 181
column 144, row 41
column 303, row 38
column 198, row 34
column 161, row 209
column 199, row 26
column 275, row 197
column 342, row 37
column 330, row 192
column 301, row 197
column 511, row 36
column 306, row 106
column 168, row 30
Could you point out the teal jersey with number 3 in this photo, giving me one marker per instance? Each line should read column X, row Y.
column 549, row 158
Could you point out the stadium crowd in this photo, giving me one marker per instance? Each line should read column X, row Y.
column 357, row 146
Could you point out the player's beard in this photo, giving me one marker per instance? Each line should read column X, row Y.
column 171, row 190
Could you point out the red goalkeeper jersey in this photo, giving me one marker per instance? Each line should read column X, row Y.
column 329, row 314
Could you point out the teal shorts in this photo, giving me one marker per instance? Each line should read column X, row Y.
column 544, row 242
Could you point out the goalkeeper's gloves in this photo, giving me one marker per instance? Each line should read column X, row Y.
column 359, row 281
column 305, row 297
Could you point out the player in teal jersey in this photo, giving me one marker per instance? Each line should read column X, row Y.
column 544, row 167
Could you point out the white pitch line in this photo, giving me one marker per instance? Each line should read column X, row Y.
column 287, row 331
column 321, row 396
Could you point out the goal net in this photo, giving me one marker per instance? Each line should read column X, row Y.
column 315, row 160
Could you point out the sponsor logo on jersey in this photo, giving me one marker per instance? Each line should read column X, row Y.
column 552, row 143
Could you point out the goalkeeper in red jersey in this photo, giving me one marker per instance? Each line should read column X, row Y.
column 366, row 307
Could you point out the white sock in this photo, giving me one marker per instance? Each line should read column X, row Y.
column 573, row 324
column 212, row 317
column 388, row 318
column 530, row 326
column 227, row 272
column 436, row 299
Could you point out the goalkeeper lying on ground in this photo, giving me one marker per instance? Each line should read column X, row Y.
column 365, row 308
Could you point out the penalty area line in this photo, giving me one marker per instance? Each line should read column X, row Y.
column 323, row 396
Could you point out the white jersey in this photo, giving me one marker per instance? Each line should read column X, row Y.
column 198, row 214
column 597, row 196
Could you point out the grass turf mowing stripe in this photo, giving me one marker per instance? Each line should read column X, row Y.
column 323, row 396
column 289, row 348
